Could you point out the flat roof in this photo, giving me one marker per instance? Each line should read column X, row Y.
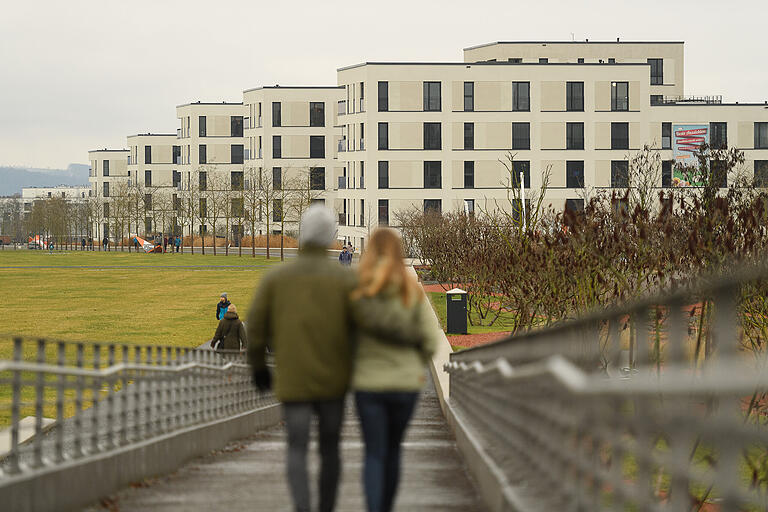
column 153, row 135
column 493, row 63
column 294, row 87
column 220, row 103
column 571, row 42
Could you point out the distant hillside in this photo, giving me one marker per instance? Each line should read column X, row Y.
column 13, row 179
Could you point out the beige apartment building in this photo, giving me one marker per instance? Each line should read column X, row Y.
column 292, row 138
column 432, row 134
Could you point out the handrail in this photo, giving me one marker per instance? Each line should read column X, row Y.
column 647, row 405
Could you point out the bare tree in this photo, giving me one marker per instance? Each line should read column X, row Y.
column 252, row 203
column 306, row 186
column 270, row 192
column 216, row 199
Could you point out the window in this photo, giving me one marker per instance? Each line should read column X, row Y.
column 383, row 174
column 619, row 96
column 383, row 211
column 432, row 175
column 203, row 207
column 432, row 136
column 761, row 135
column 657, row 71
column 147, row 201
column 236, row 126
column 277, row 178
column 574, row 205
column 147, row 225
column 619, row 174
column 383, row 96
column 106, row 209
column 574, row 174
column 105, row 168
column 147, row 178
column 236, row 153
column 543, row 60
column 580, row 60
column 202, row 154
column 521, row 135
column 521, row 96
column 176, row 178
column 277, row 119
column 277, row 146
column 432, row 205
column 524, row 167
column 316, row 113
column 469, row 96
column 236, row 180
column 383, row 135
column 105, row 190
column 719, row 173
column 361, row 182
column 574, row 135
column 666, row 135
column 657, row 99
column 176, row 202
column 469, row 207
column 176, row 154
column 469, row 174
column 574, row 96
column 147, row 154
column 515, row 60
column 202, row 125
column 666, row 173
column 317, row 178
column 277, row 210
column 317, row 146
column 718, row 135
column 236, row 207
column 202, row 180
column 761, row 173
column 619, row 135
column 431, row 96
column 611, row 61
column 469, row 135
column 362, row 99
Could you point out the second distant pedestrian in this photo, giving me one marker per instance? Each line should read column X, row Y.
column 221, row 306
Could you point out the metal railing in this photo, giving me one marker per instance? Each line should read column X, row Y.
column 659, row 405
column 105, row 396
column 698, row 100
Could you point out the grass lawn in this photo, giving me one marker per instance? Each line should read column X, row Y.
column 148, row 299
column 136, row 298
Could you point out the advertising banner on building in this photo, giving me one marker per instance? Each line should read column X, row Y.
column 687, row 140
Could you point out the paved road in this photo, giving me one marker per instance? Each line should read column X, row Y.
column 248, row 475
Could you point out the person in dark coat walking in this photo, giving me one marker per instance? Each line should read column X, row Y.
column 105, row 243
column 230, row 334
column 221, row 307
column 82, row 243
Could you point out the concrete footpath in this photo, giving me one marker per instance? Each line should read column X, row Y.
column 248, row 475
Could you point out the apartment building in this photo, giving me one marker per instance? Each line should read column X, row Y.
column 213, row 153
column 433, row 133
column 292, row 138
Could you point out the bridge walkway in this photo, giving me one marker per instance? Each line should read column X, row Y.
column 249, row 474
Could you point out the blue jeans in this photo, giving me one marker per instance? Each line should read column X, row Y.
column 384, row 418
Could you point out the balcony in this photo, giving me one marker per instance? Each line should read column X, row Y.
column 342, row 219
column 691, row 100
column 246, row 154
column 362, row 221
column 177, row 160
column 342, row 183
column 129, row 161
column 342, row 107
column 342, row 146
column 362, row 144
column 362, row 105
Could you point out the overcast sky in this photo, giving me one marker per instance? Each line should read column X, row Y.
column 82, row 74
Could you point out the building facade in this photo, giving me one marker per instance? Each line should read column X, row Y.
column 394, row 136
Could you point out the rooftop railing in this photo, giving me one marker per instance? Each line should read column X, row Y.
column 658, row 405
column 688, row 99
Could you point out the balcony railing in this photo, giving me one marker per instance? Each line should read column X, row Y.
column 342, row 107
column 129, row 160
column 342, row 182
column 178, row 133
column 177, row 160
column 342, row 219
column 362, row 145
column 246, row 154
column 342, row 145
column 692, row 100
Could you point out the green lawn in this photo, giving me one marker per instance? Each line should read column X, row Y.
column 148, row 299
column 502, row 324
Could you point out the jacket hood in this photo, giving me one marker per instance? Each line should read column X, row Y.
column 230, row 315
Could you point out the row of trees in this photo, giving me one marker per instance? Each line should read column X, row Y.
column 210, row 208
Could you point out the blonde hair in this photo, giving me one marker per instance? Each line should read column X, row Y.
column 232, row 308
column 381, row 265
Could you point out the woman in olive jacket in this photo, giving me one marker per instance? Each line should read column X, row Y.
column 389, row 368
column 230, row 334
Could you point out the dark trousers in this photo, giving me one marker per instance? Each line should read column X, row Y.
column 298, row 417
column 384, row 418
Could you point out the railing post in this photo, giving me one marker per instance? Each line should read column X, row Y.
column 61, row 384
column 77, row 448
column 138, row 383
column 13, row 456
column 149, row 429
column 95, row 406
column 39, row 400
column 124, row 398
column 111, row 399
